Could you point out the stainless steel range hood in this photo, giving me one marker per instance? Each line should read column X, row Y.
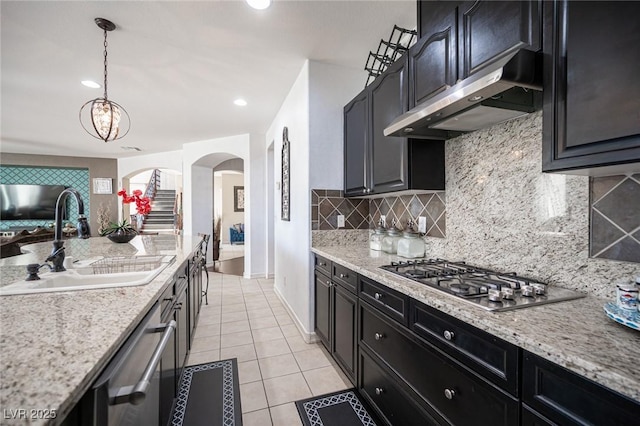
column 509, row 88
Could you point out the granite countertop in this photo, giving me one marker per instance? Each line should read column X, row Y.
column 53, row 345
column 575, row 334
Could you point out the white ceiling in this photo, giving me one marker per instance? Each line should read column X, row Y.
column 175, row 66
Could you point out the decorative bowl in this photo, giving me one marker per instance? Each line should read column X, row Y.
column 121, row 238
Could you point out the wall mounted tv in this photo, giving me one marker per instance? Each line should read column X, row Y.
column 29, row 202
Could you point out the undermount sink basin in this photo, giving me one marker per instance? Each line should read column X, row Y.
column 104, row 273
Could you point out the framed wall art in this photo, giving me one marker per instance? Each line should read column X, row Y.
column 284, row 188
column 238, row 198
column 102, row 186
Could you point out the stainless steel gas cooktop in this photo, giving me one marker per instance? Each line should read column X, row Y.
column 485, row 288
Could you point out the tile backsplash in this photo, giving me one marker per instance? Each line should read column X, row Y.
column 327, row 205
column 615, row 218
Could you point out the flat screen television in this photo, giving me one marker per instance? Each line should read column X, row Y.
column 29, row 202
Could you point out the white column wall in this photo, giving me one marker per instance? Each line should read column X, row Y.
column 255, row 219
column 292, row 239
column 313, row 112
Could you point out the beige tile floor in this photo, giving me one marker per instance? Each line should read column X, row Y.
column 246, row 320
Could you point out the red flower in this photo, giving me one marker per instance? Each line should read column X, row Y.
column 142, row 203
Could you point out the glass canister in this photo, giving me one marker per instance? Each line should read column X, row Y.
column 411, row 245
column 375, row 241
column 390, row 241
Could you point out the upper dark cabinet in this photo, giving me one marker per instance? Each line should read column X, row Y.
column 433, row 60
column 591, row 88
column 388, row 97
column 377, row 164
column 489, row 30
column 356, row 155
column 459, row 38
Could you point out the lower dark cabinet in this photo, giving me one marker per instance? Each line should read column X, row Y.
column 531, row 418
column 335, row 321
column 444, row 385
column 182, row 330
column 569, row 399
column 387, row 397
column 322, row 292
column 168, row 377
column 344, row 329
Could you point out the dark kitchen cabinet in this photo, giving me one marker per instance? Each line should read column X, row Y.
column 459, row 38
column 377, row 164
column 356, row 148
column 495, row 359
column 591, row 87
column 445, row 387
column 323, row 308
column 563, row 397
column 182, row 319
column 433, row 60
column 390, row 400
column 335, row 317
column 489, row 30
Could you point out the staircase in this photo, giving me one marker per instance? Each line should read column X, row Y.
column 160, row 218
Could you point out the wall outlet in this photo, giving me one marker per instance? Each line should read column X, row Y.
column 422, row 224
column 340, row 221
column 383, row 218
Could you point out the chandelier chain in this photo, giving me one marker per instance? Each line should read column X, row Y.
column 105, row 64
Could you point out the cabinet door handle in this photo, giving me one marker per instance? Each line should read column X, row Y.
column 379, row 336
column 449, row 393
column 328, row 283
column 379, row 391
column 449, row 335
column 378, row 296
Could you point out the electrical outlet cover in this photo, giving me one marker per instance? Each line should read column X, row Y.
column 422, row 224
column 340, row 221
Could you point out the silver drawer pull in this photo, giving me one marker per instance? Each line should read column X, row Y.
column 328, row 282
column 378, row 296
column 344, row 276
column 379, row 336
column 135, row 394
column 449, row 335
column 449, row 393
column 379, row 391
column 322, row 264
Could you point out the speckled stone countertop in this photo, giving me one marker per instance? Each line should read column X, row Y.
column 53, row 345
column 574, row 334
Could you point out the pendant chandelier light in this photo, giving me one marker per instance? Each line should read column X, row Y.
column 109, row 120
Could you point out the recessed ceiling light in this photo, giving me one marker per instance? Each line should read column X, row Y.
column 90, row 83
column 259, row 4
column 240, row 102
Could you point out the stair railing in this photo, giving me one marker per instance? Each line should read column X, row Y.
column 153, row 185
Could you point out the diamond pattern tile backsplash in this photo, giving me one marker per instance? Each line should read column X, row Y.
column 76, row 178
column 615, row 217
column 327, row 205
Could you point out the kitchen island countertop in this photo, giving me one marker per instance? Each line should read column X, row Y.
column 575, row 334
column 52, row 345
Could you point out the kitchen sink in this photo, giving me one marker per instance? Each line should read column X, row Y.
column 101, row 273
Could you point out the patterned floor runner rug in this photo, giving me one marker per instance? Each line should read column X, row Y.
column 209, row 395
column 343, row 408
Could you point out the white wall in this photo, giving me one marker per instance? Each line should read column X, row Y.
column 129, row 166
column 198, row 194
column 312, row 112
column 225, row 183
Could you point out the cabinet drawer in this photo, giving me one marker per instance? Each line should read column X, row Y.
column 387, row 300
column 345, row 277
column 389, row 400
column 531, row 418
column 569, row 399
column 447, row 387
column 323, row 264
column 487, row 355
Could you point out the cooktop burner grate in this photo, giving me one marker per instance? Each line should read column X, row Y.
column 491, row 290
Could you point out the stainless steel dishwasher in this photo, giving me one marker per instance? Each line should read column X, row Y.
column 128, row 390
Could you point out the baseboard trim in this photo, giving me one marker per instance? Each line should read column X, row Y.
column 307, row 336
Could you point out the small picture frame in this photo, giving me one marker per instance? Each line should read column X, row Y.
column 102, row 186
column 238, row 198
